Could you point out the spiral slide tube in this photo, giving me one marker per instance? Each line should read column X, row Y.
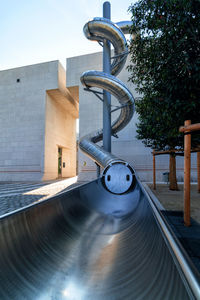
column 118, row 175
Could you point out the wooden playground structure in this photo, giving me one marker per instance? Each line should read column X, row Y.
column 187, row 129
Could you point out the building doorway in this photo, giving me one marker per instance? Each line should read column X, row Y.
column 59, row 162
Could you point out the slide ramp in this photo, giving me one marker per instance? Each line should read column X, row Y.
column 90, row 244
column 104, row 240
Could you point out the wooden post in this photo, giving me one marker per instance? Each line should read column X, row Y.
column 154, row 171
column 198, row 171
column 187, row 165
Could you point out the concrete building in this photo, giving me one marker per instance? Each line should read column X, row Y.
column 126, row 146
column 37, row 123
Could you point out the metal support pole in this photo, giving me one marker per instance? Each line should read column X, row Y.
column 187, row 166
column 106, row 95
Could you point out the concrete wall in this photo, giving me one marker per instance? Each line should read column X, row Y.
column 127, row 146
column 23, row 106
column 22, row 123
column 60, row 132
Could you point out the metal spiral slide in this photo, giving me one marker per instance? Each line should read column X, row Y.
column 93, row 244
column 118, row 176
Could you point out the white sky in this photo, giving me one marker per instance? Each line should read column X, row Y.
column 34, row 31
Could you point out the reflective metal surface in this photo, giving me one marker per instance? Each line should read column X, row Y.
column 88, row 244
column 118, row 90
column 125, row 26
column 100, row 29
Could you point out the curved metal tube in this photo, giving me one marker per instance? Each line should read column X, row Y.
column 117, row 175
column 125, row 26
column 99, row 29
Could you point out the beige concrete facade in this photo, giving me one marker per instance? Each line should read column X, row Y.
column 60, row 131
column 127, row 146
column 37, row 115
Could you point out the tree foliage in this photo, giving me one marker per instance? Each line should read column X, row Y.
column 165, row 66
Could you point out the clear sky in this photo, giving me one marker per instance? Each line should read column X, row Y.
column 34, row 31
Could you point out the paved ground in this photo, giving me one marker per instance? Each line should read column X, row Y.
column 18, row 194
column 173, row 200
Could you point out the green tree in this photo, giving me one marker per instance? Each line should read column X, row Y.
column 165, row 66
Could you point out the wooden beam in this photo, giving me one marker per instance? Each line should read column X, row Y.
column 190, row 127
column 198, row 171
column 166, row 152
column 195, row 150
column 177, row 152
column 187, row 166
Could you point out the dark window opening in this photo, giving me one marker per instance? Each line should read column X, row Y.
column 59, row 162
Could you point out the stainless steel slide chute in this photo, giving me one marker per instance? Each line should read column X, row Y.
column 90, row 244
column 101, row 28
